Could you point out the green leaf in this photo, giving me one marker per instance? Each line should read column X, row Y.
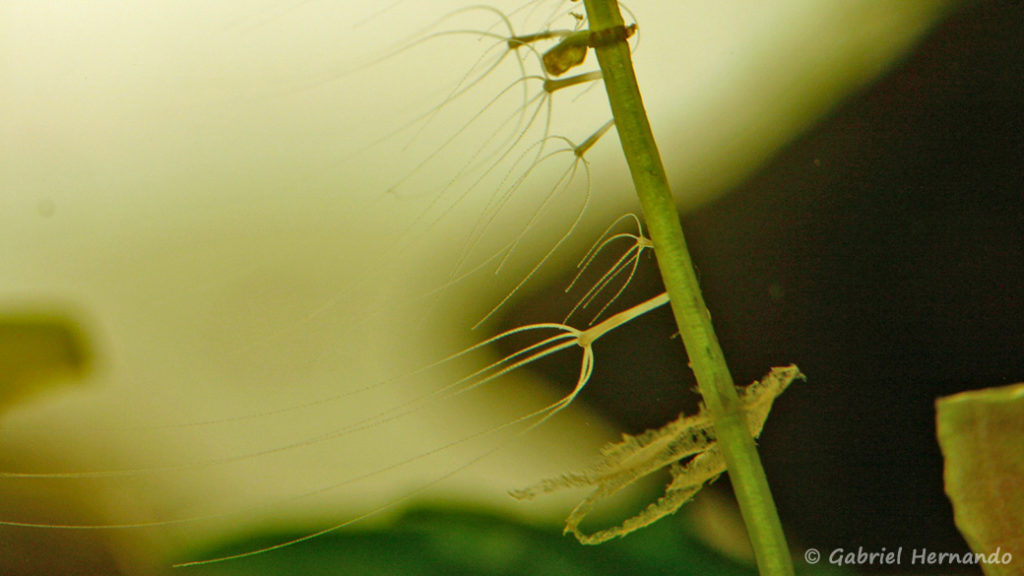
column 981, row 434
column 435, row 542
column 36, row 350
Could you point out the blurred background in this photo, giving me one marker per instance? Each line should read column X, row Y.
column 194, row 231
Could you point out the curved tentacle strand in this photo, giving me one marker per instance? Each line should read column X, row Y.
column 629, row 260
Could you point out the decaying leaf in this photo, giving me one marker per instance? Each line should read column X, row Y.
column 981, row 434
column 687, row 445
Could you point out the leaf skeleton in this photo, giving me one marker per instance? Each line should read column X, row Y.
column 687, row 445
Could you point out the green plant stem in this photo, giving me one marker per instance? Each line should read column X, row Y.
column 692, row 317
